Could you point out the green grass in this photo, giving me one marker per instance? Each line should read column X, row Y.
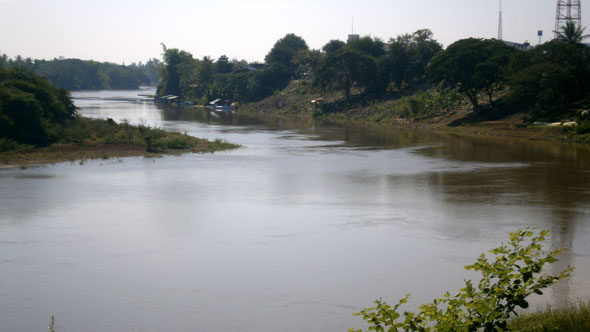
column 573, row 319
column 88, row 134
column 84, row 130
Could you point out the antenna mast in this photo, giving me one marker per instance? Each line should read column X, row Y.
column 568, row 11
column 500, row 23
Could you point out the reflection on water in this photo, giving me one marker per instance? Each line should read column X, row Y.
column 302, row 226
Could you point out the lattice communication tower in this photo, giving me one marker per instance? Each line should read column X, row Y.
column 568, row 11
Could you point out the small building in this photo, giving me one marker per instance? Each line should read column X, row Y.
column 353, row 38
column 523, row 47
column 249, row 68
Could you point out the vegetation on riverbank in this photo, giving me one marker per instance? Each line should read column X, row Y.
column 409, row 80
column 39, row 124
column 513, row 273
column 103, row 139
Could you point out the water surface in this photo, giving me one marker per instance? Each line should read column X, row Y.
column 302, row 226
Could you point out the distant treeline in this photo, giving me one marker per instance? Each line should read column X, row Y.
column 75, row 74
column 550, row 81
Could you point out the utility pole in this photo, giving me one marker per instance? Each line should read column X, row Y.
column 568, row 11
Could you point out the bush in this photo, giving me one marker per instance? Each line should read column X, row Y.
column 426, row 103
column 175, row 143
column 506, row 282
column 7, row 145
column 583, row 128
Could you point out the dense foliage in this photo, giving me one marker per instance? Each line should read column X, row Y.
column 551, row 81
column 345, row 68
column 32, row 111
column 374, row 66
column 203, row 80
column 515, row 273
column 472, row 66
column 364, row 63
column 75, row 74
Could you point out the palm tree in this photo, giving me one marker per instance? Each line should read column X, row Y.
column 571, row 33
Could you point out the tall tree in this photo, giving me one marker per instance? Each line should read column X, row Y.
column 333, row 46
column 571, row 33
column 31, row 109
column 472, row 66
column 408, row 56
column 206, row 76
column 374, row 47
column 170, row 72
column 551, row 81
column 284, row 50
column 223, row 65
column 345, row 68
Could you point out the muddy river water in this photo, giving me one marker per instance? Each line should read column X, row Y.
column 303, row 225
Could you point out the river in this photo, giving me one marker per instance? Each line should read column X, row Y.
column 299, row 228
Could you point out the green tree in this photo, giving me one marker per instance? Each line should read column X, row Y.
column 170, row 71
column 206, row 76
column 31, row 109
column 333, row 46
column 472, row 66
column 408, row 57
column 345, row 68
column 3, row 60
column 374, row 47
column 284, row 50
column 307, row 62
column 515, row 273
column 571, row 33
column 223, row 65
column 550, row 81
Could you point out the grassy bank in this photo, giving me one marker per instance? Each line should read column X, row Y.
column 103, row 139
column 573, row 319
column 445, row 111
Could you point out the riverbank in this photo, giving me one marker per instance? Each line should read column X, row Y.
column 574, row 318
column 429, row 109
column 104, row 139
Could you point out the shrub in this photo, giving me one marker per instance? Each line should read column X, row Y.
column 583, row 128
column 175, row 143
column 506, row 282
column 13, row 146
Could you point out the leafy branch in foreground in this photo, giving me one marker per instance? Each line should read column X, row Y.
column 515, row 273
column 51, row 325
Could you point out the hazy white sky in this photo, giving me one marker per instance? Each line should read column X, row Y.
column 132, row 30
